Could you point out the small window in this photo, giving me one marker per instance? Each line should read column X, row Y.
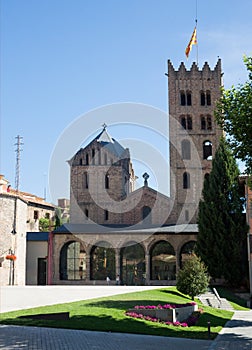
column 93, row 156
column 87, row 159
column 202, row 98
column 188, row 98
column 107, row 181
column 183, row 122
column 35, row 215
column 86, row 213
column 182, row 98
column 209, row 122
column 203, row 122
column 80, row 161
column 85, row 180
column 47, row 216
column 207, row 150
column 146, row 215
column 106, row 215
column 189, row 122
column 186, row 122
column 186, row 180
column 208, row 98
column 186, row 149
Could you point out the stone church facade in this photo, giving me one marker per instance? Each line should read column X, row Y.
column 140, row 235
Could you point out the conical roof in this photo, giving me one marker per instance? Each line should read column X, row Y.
column 109, row 143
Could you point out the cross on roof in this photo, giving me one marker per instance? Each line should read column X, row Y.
column 104, row 125
column 146, row 176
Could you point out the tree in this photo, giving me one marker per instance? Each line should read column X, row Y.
column 44, row 224
column 234, row 115
column 193, row 278
column 221, row 222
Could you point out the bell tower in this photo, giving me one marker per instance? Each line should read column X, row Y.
column 194, row 134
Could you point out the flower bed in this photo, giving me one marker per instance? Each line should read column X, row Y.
column 171, row 314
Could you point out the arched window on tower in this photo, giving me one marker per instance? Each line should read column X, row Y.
column 87, row 159
column 80, row 161
column 186, row 149
column 186, row 180
column 186, row 122
column 182, row 98
column 86, row 214
column 202, row 98
column 208, row 98
column 189, row 122
column 188, row 98
column 209, row 122
column 183, row 121
column 207, row 150
column 107, row 181
column 203, row 122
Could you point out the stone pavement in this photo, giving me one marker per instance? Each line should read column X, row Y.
column 236, row 335
column 36, row 338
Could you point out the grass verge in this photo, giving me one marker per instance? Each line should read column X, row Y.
column 108, row 314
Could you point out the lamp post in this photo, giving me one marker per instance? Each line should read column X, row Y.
column 248, row 197
column 249, row 239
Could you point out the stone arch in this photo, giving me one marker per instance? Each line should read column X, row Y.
column 133, row 269
column 186, row 149
column 162, row 261
column 102, row 261
column 207, row 150
column 73, row 261
column 186, row 251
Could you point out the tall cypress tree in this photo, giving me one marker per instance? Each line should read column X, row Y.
column 221, row 222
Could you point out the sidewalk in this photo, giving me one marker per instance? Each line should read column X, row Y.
column 236, row 335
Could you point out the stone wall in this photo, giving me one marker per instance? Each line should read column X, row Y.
column 13, row 242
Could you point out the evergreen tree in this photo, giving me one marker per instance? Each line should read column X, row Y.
column 193, row 278
column 221, row 222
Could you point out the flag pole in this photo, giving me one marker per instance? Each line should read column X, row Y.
column 196, row 22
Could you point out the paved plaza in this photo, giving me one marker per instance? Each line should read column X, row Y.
column 236, row 335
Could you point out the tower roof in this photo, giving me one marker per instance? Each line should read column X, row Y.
column 109, row 143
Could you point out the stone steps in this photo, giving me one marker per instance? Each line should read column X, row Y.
column 210, row 299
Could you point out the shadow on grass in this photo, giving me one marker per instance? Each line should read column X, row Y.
column 123, row 305
column 106, row 323
column 118, row 322
column 176, row 293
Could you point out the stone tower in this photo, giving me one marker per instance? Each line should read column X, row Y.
column 101, row 177
column 194, row 134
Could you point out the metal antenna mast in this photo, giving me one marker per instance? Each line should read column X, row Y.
column 18, row 150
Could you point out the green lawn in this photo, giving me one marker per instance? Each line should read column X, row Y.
column 108, row 314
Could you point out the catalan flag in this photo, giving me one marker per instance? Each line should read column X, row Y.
column 193, row 41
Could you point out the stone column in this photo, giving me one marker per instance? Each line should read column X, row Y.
column 88, row 267
column 177, row 261
column 147, row 269
column 117, row 262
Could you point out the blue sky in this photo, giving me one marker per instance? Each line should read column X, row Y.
column 60, row 59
